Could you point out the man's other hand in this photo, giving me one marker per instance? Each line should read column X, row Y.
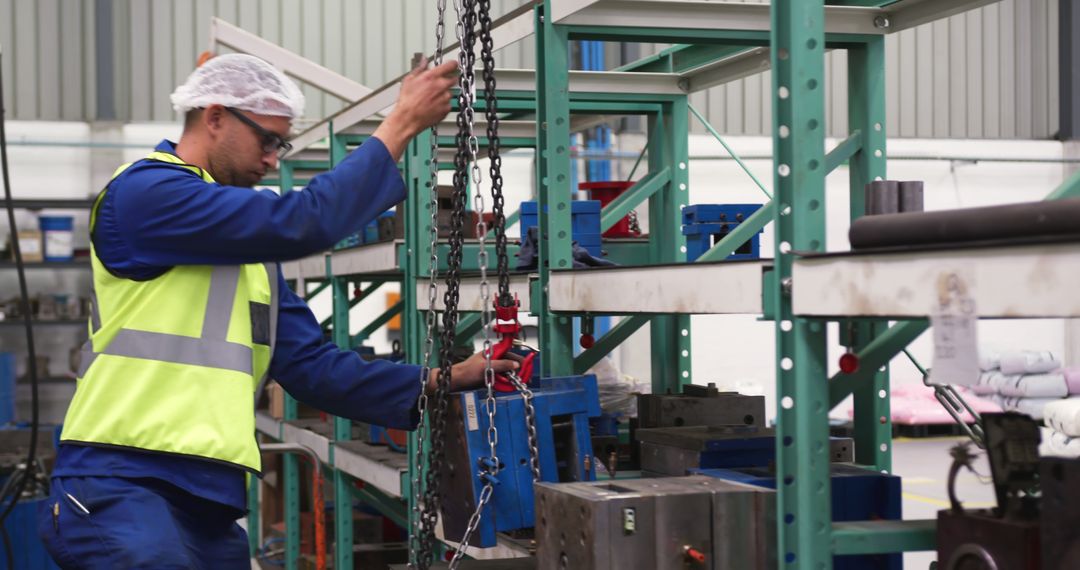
column 424, row 100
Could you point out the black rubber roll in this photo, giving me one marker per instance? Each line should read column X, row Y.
column 1030, row 219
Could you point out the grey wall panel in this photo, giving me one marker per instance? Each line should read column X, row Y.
column 989, row 73
column 72, row 82
column 48, row 46
column 25, row 58
column 140, row 50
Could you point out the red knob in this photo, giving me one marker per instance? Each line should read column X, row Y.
column 695, row 554
column 587, row 341
column 849, row 363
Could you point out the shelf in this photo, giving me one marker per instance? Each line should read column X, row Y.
column 370, row 259
column 372, row 464
column 61, row 203
column 59, row 322
column 77, row 264
column 724, row 287
column 506, row 547
column 1027, row 281
column 469, row 297
column 698, row 15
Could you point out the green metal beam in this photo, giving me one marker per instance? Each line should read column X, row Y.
column 843, row 151
column 378, row 323
column 1068, row 189
column 389, row 507
column 309, row 295
column 873, row 356
column 354, row 301
column 742, row 232
column 467, row 328
column 730, row 151
column 882, row 537
column 632, row 198
column 614, row 337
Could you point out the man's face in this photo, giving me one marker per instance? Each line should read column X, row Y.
column 246, row 149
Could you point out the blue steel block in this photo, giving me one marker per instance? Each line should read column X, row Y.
column 706, row 224
column 857, row 495
column 584, row 217
column 563, row 407
column 7, row 387
column 707, row 213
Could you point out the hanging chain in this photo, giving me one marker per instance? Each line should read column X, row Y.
column 422, row 531
column 530, row 422
column 635, row 227
column 491, row 110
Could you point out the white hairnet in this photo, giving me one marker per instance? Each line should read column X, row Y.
column 241, row 81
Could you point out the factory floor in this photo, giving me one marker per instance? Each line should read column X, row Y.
column 924, row 466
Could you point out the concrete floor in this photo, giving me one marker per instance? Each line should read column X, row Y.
column 924, row 466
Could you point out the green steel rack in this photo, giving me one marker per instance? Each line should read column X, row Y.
column 715, row 42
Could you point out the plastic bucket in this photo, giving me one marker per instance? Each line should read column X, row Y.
column 56, row 234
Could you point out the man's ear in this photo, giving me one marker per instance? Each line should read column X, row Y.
column 213, row 117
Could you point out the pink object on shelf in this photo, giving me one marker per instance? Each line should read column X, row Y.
column 1072, row 379
column 916, row 405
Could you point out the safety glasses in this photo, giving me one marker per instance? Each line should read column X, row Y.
column 271, row 141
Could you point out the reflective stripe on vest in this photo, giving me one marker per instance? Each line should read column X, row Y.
column 210, row 350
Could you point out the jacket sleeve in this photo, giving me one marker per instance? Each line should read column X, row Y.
column 163, row 216
column 338, row 381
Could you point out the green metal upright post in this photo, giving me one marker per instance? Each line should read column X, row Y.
column 553, row 184
column 866, row 114
column 417, row 264
column 343, row 511
column 291, row 473
column 669, row 148
column 804, row 517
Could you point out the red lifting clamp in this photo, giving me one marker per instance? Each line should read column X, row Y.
column 507, row 325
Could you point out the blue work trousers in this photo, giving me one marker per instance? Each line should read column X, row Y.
column 114, row 522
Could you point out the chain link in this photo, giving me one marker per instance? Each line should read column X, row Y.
column 491, row 110
column 530, row 422
column 425, row 511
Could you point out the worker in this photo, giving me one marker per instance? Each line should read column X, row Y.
column 191, row 316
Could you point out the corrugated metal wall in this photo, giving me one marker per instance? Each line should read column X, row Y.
column 989, row 73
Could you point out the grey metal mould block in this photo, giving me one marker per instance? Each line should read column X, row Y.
column 651, row 523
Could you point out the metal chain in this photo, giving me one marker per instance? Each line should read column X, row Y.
column 530, row 422
column 491, row 110
column 634, row 226
column 422, row 530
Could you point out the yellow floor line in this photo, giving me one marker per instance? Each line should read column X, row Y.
column 942, row 503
